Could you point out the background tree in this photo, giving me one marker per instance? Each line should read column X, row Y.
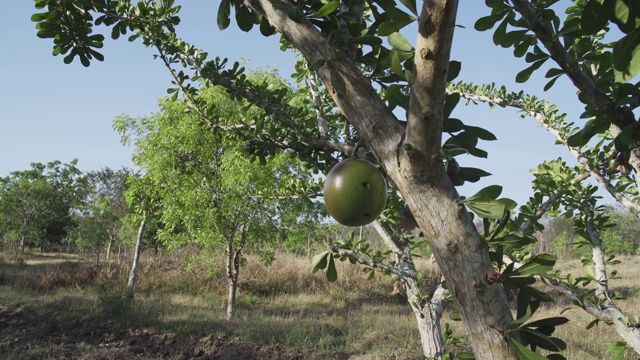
column 345, row 54
column 208, row 186
column 106, row 201
column 36, row 204
column 624, row 237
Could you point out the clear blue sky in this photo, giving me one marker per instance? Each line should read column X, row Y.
column 52, row 111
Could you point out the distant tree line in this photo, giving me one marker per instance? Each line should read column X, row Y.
column 561, row 238
column 56, row 207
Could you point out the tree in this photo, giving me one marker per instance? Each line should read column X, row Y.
column 209, row 192
column 107, row 201
column 36, row 204
column 624, row 237
column 347, row 66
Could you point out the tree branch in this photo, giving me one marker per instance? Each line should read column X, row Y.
column 369, row 261
column 352, row 91
column 317, row 144
column 428, row 86
column 609, row 313
column 580, row 157
column 542, row 209
column 261, row 197
column 314, row 88
column 619, row 116
column 570, row 66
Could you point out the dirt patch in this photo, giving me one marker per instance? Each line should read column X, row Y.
column 28, row 335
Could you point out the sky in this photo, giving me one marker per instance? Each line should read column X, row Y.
column 52, row 111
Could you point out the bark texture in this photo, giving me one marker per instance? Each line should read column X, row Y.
column 427, row 312
column 133, row 275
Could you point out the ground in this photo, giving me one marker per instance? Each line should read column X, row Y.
column 33, row 336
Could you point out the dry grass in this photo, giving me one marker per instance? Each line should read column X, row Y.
column 283, row 304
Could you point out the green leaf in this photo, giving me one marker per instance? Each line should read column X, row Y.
column 514, row 241
column 265, row 28
column 500, row 32
column 626, row 56
column 596, row 15
column 224, row 13
column 489, row 193
column 396, row 66
column 524, row 353
column 624, row 16
column 481, row 133
column 411, row 5
column 551, row 83
column 327, row 8
column 454, row 70
column 39, row 16
column 489, row 209
column 625, row 140
column 556, row 356
column 449, row 104
column 398, row 42
column 332, row 274
column 525, row 74
column 513, row 282
column 590, row 129
column 593, row 323
column 98, row 56
column 537, row 265
column 397, row 20
column 487, row 22
column 589, row 271
column 542, row 296
column 367, row 40
column 539, row 339
column 295, row 14
column 473, row 172
column 523, row 302
column 398, row 16
column 317, row 65
column 452, row 125
column 244, row 18
column 524, row 318
column 319, row 261
column 552, row 321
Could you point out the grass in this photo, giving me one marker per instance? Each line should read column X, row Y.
column 285, row 304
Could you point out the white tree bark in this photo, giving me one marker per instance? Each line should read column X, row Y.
column 233, row 269
column 133, row 275
column 428, row 312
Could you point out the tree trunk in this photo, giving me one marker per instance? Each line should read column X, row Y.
column 625, row 328
column 231, row 299
column 23, row 239
column 428, row 314
column 597, row 256
column 133, row 275
column 233, row 269
column 108, row 254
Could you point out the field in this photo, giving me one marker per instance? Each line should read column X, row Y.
column 65, row 307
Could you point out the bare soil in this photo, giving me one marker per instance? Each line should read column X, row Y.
column 25, row 334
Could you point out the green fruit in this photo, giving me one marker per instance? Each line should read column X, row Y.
column 355, row 192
